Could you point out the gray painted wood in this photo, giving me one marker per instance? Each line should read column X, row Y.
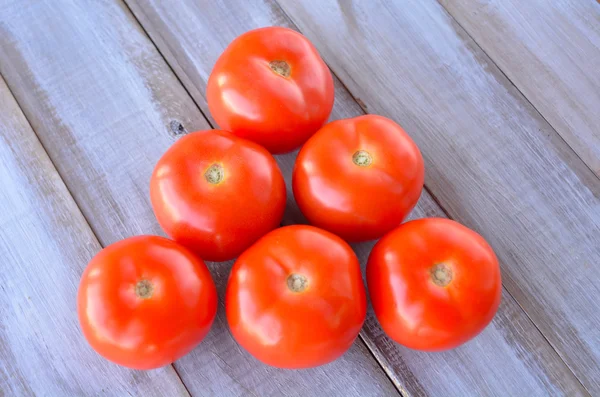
column 551, row 51
column 509, row 358
column 45, row 243
column 492, row 161
column 106, row 106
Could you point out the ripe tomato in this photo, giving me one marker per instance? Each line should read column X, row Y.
column 358, row 178
column 145, row 301
column 434, row 284
column 296, row 298
column 217, row 194
column 271, row 86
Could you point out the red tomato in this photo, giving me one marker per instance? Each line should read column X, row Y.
column 434, row 284
column 358, row 178
column 271, row 86
column 145, row 301
column 217, row 194
column 296, row 298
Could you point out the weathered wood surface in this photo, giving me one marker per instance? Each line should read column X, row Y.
column 550, row 50
column 492, row 161
column 44, row 244
column 509, row 358
column 105, row 105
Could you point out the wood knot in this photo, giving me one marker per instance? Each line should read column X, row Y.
column 177, row 128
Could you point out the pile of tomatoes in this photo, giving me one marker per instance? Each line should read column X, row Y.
column 295, row 296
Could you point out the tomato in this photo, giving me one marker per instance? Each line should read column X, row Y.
column 358, row 178
column 217, row 194
column 434, row 284
column 145, row 301
column 271, row 86
column 296, row 298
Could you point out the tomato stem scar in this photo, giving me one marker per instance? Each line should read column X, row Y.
column 214, row 174
column 362, row 158
column 282, row 68
column 441, row 274
column 297, row 282
column 144, row 289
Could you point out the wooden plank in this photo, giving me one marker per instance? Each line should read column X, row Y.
column 550, row 50
column 492, row 161
column 510, row 357
column 45, row 243
column 106, row 106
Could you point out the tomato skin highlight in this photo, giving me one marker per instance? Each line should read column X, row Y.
column 145, row 302
column 271, row 86
column 217, row 193
column 296, row 298
column 358, row 178
column 434, row 284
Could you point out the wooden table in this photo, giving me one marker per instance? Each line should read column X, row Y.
column 502, row 96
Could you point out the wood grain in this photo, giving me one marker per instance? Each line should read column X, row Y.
column 106, row 106
column 492, row 161
column 550, row 50
column 509, row 357
column 45, row 242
